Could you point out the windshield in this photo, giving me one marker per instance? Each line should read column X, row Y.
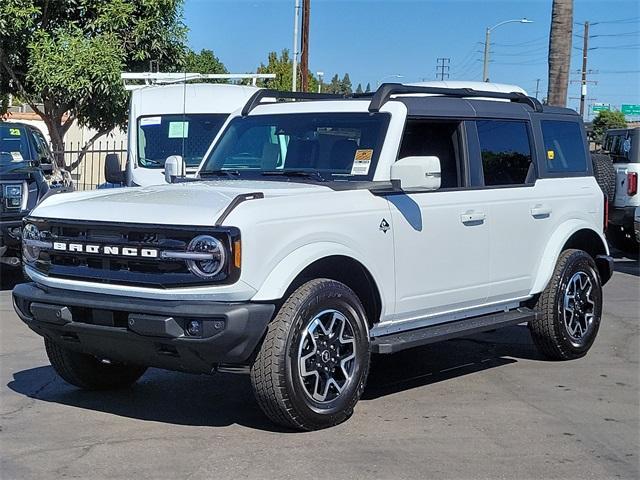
column 14, row 146
column 326, row 146
column 187, row 135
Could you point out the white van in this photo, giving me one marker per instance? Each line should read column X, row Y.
column 178, row 119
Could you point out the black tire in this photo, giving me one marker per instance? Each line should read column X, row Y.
column 550, row 331
column 87, row 372
column 276, row 374
column 605, row 174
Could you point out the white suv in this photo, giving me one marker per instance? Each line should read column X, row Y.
column 323, row 230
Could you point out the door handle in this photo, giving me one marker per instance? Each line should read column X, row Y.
column 541, row 210
column 471, row 216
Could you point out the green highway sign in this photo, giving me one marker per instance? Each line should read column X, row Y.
column 599, row 107
column 630, row 109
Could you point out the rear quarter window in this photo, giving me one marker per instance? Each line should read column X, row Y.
column 564, row 150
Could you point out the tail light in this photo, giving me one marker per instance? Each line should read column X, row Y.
column 632, row 183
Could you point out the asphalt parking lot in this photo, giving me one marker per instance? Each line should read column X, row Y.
column 486, row 406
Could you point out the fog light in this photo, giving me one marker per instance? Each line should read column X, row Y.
column 194, row 328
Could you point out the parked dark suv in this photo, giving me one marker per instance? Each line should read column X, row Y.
column 28, row 173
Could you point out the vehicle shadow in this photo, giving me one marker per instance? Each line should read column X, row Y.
column 10, row 277
column 626, row 262
column 225, row 399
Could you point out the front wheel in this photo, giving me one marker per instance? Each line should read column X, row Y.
column 569, row 308
column 313, row 364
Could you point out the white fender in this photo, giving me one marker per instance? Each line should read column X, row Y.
column 554, row 248
column 276, row 284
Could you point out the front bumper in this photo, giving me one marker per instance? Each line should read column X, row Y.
column 10, row 234
column 142, row 331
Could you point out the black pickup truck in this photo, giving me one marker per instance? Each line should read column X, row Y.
column 28, row 173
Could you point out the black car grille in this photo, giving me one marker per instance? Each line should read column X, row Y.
column 148, row 272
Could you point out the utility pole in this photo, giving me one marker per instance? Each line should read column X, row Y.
column 485, row 63
column 296, row 22
column 443, row 67
column 304, row 58
column 537, row 88
column 585, row 49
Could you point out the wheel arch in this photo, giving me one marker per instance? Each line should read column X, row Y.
column 576, row 234
column 325, row 260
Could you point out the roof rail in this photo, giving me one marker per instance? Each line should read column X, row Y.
column 257, row 97
column 384, row 92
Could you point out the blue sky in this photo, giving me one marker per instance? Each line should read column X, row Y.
column 373, row 39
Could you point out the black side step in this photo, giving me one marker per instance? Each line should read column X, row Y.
column 396, row 342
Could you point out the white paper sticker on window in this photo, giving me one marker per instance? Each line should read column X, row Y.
column 362, row 162
column 16, row 156
column 150, row 121
column 178, row 129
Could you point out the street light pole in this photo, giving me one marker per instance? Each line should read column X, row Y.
column 487, row 44
column 320, row 75
column 394, row 75
column 296, row 22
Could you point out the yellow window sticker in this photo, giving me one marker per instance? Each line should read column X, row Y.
column 14, row 132
column 362, row 161
column 551, row 154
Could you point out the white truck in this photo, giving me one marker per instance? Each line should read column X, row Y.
column 623, row 147
column 321, row 231
column 173, row 120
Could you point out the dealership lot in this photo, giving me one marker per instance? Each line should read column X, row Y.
column 485, row 406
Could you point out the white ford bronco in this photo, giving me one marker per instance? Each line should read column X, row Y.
column 323, row 230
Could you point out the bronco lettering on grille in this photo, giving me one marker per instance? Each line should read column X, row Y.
column 105, row 250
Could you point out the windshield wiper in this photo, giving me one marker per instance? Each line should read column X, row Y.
column 220, row 173
column 295, row 173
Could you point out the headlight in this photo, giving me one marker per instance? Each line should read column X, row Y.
column 30, row 241
column 213, row 256
column 13, row 194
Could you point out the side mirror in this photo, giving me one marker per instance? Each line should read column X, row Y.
column 173, row 167
column 112, row 171
column 417, row 173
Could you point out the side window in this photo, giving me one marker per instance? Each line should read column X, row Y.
column 564, row 147
column 435, row 138
column 506, row 152
column 41, row 146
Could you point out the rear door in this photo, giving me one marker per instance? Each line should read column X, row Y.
column 519, row 215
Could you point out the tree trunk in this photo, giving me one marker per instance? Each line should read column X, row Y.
column 560, row 51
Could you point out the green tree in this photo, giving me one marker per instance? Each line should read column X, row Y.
column 605, row 120
column 368, row 89
column 345, row 85
column 335, row 85
column 282, row 66
column 204, row 62
column 64, row 57
column 359, row 88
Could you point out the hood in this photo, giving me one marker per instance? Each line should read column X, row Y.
column 192, row 203
column 17, row 170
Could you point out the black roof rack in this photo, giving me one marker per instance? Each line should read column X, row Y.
column 384, row 92
column 257, row 97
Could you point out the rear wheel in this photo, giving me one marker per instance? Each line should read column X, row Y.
column 569, row 309
column 313, row 363
column 87, row 372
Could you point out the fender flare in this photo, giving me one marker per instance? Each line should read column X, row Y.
column 280, row 278
column 554, row 247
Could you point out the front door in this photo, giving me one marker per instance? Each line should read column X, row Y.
column 441, row 237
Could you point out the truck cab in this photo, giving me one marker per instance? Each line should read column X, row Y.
column 173, row 120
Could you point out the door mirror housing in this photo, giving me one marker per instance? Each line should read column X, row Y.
column 112, row 171
column 416, row 173
column 174, row 167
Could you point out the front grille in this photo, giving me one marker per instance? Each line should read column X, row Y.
column 120, row 269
